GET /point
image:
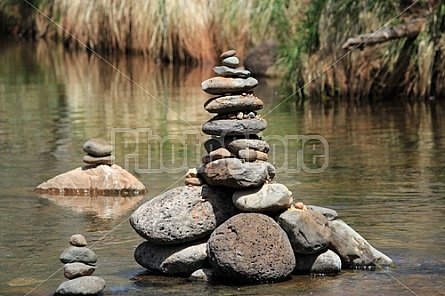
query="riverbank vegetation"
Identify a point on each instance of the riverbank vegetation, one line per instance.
(310, 34)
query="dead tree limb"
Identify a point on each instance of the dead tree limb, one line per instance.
(410, 30)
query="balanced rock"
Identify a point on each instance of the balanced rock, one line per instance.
(233, 103)
(183, 214)
(234, 127)
(225, 71)
(78, 240)
(172, 260)
(308, 231)
(86, 285)
(227, 54)
(97, 147)
(224, 85)
(330, 214)
(77, 269)
(255, 144)
(267, 198)
(78, 254)
(251, 247)
(91, 159)
(353, 249)
(325, 263)
(232, 172)
(231, 62)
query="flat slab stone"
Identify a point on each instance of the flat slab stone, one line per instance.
(267, 198)
(224, 85)
(251, 247)
(93, 180)
(173, 260)
(91, 159)
(86, 285)
(183, 214)
(232, 172)
(233, 127)
(308, 231)
(233, 103)
(97, 147)
(230, 72)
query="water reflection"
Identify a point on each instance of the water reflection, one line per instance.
(386, 173)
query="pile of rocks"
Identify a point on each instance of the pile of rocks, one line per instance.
(80, 263)
(99, 177)
(98, 152)
(238, 221)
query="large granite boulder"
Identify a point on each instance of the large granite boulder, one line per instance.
(251, 247)
(93, 180)
(173, 260)
(232, 172)
(308, 231)
(353, 249)
(183, 214)
(267, 198)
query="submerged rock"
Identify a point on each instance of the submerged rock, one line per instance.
(251, 247)
(324, 263)
(86, 285)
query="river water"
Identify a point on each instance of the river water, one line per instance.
(381, 167)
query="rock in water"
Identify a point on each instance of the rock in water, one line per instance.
(324, 263)
(268, 198)
(251, 247)
(224, 85)
(353, 249)
(183, 214)
(179, 260)
(231, 172)
(86, 285)
(97, 147)
(308, 231)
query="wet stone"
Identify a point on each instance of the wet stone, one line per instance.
(78, 240)
(97, 147)
(230, 72)
(232, 62)
(224, 85)
(91, 159)
(231, 127)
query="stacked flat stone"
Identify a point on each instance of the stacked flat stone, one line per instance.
(80, 263)
(98, 152)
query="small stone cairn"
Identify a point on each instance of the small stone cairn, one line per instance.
(80, 263)
(98, 152)
(231, 220)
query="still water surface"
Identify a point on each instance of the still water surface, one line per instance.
(386, 173)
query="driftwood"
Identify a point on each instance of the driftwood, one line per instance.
(410, 30)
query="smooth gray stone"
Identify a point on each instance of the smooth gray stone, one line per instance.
(353, 249)
(91, 159)
(233, 103)
(267, 198)
(97, 147)
(234, 127)
(234, 173)
(251, 247)
(77, 269)
(308, 231)
(231, 62)
(230, 72)
(174, 260)
(328, 213)
(78, 254)
(227, 54)
(325, 263)
(183, 214)
(225, 85)
(239, 144)
(78, 240)
(86, 285)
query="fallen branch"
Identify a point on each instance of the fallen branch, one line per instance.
(410, 30)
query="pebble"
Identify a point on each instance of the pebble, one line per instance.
(78, 240)
(78, 254)
(192, 173)
(77, 269)
(231, 62)
(228, 54)
(193, 182)
(247, 154)
(97, 147)
(261, 156)
(91, 159)
(230, 72)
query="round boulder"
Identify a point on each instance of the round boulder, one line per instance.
(251, 247)
(174, 260)
(308, 231)
(183, 214)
